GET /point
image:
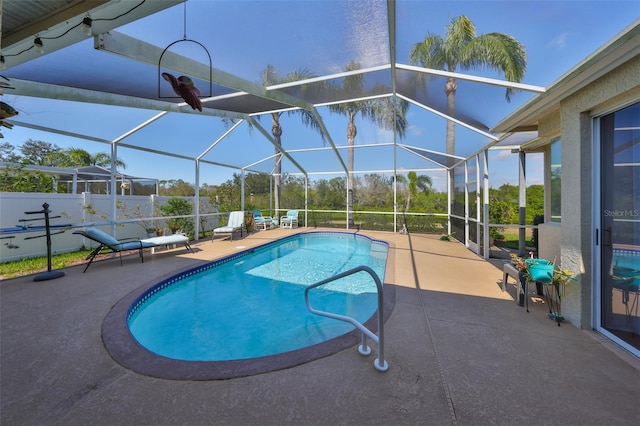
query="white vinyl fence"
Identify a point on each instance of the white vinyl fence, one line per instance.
(132, 215)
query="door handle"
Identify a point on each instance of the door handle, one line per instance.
(606, 237)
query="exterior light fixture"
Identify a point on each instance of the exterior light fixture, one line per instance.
(86, 25)
(38, 44)
(2, 64)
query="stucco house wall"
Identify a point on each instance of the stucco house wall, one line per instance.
(550, 234)
(618, 88)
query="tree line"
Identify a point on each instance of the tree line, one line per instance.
(371, 192)
(15, 177)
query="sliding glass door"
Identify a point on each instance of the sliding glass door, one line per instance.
(619, 243)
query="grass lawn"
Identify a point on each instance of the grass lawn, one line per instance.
(39, 264)
(511, 238)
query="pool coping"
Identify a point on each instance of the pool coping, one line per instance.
(126, 351)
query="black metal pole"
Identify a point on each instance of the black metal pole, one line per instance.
(45, 207)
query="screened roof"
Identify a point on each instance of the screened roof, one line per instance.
(115, 73)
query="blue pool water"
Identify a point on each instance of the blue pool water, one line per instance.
(626, 263)
(627, 259)
(252, 304)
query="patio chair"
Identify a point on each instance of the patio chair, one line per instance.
(235, 223)
(627, 281)
(108, 244)
(290, 220)
(261, 222)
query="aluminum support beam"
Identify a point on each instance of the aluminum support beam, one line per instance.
(51, 91)
(132, 48)
(269, 137)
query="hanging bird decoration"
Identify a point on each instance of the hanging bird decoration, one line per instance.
(184, 87)
(6, 111)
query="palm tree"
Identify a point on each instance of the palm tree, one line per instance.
(103, 159)
(388, 113)
(78, 157)
(414, 183)
(424, 183)
(461, 48)
(270, 77)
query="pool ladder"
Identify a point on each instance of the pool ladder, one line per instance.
(380, 364)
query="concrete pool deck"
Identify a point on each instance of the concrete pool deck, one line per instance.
(460, 352)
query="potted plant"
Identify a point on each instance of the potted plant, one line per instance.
(560, 278)
(541, 270)
(558, 281)
(523, 275)
(248, 221)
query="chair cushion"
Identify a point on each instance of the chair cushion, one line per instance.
(235, 222)
(226, 229)
(236, 219)
(102, 236)
(134, 245)
(167, 239)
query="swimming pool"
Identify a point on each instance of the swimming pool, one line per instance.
(245, 314)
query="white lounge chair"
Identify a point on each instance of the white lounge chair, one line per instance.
(235, 223)
(290, 220)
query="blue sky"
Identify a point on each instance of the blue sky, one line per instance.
(557, 35)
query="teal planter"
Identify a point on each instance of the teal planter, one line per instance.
(540, 270)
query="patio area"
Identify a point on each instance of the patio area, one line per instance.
(460, 352)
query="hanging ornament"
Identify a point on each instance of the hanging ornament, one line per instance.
(184, 86)
(6, 111)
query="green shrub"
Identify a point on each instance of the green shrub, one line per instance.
(178, 207)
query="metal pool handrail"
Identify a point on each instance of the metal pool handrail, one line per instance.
(380, 364)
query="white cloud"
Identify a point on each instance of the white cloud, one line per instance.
(384, 135)
(559, 42)
(503, 154)
(414, 130)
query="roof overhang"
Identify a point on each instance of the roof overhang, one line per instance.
(55, 22)
(622, 48)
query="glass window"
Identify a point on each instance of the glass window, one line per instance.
(556, 179)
